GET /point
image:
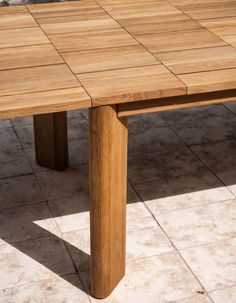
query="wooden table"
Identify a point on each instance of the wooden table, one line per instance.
(118, 58)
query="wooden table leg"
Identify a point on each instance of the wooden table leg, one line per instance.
(108, 187)
(51, 142)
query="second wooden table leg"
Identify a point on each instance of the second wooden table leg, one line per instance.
(108, 187)
(51, 142)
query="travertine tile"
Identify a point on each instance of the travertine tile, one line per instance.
(26, 222)
(201, 224)
(214, 264)
(72, 213)
(33, 261)
(196, 298)
(13, 163)
(78, 152)
(164, 277)
(5, 123)
(218, 156)
(16, 191)
(77, 128)
(22, 121)
(231, 106)
(57, 290)
(191, 190)
(157, 139)
(8, 139)
(25, 134)
(224, 295)
(144, 167)
(68, 183)
(229, 178)
(203, 124)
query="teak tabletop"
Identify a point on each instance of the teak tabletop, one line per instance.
(118, 58)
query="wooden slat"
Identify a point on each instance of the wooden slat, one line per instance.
(80, 23)
(33, 79)
(111, 2)
(210, 10)
(17, 20)
(160, 24)
(92, 40)
(231, 39)
(134, 10)
(109, 58)
(180, 3)
(43, 102)
(192, 39)
(222, 26)
(71, 8)
(12, 9)
(210, 81)
(28, 56)
(22, 37)
(131, 84)
(173, 103)
(197, 60)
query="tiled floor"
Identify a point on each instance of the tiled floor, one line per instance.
(181, 220)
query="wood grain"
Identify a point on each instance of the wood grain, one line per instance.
(109, 58)
(22, 37)
(210, 81)
(134, 10)
(108, 190)
(160, 24)
(222, 26)
(124, 85)
(79, 23)
(197, 60)
(210, 10)
(33, 79)
(92, 40)
(182, 40)
(71, 8)
(12, 9)
(51, 140)
(43, 102)
(19, 57)
(17, 20)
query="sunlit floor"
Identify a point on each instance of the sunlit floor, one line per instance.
(181, 219)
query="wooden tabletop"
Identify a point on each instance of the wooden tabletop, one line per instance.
(61, 56)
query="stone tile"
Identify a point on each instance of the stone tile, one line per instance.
(26, 222)
(203, 124)
(196, 298)
(57, 290)
(82, 113)
(164, 277)
(71, 213)
(13, 163)
(68, 183)
(30, 155)
(16, 191)
(20, 121)
(214, 264)
(78, 152)
(145, 167)
(77, 128)
(145, 239)
(159, 139)
(78, 243)
(231, 106)
(25, 134)
(228, 177)
(201, 224)
(218, 156)
(5, 123)
(224, 295)
(33, 261)
(164, 196)
(8, 139)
